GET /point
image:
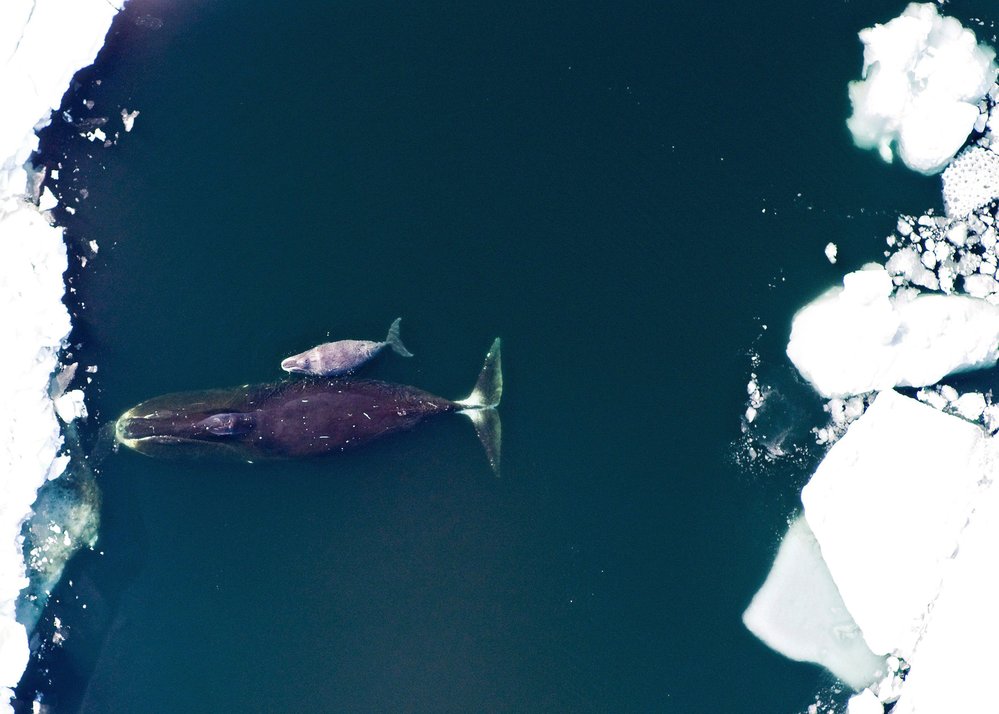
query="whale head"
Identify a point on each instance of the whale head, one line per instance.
(300, 364)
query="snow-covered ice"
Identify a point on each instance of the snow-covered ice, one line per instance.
(922, 80)
(887, 505)
(953, 664)
(44, 42)
(71, 406)
(860, 338)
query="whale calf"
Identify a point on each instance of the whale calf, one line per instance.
(333, 359)
(293, 418)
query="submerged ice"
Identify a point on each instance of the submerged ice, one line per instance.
(800, 613)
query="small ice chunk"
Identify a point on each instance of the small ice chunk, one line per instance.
(93, 246)
(831, 251)
(71, 406)
(971, 405)
(988, 238)
(853, 408)
(969, 264)
(128, 118)
(48, 200)
(906, 263)
(957, 234)
(981, 122)
(837, 410)
(942, 251)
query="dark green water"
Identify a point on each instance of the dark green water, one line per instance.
(624, 193)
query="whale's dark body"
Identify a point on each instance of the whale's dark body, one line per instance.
(300, 418)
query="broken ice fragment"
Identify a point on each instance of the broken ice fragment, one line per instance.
(128, 118)
(70, 406)
(48, 201)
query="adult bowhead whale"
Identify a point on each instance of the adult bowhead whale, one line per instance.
(302, 418)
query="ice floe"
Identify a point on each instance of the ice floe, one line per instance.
(922, 80)
(861, 338)
(860, 582)
(44, 42)
(903, 474)
(903, 508)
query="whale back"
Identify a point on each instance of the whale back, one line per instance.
(283, 420)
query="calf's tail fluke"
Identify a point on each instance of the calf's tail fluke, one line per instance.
(480, 406)
(394, 341)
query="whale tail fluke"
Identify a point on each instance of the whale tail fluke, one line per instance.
(394, 341)
(480, 406)
(490, 430)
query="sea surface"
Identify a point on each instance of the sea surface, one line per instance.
(635, 196)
